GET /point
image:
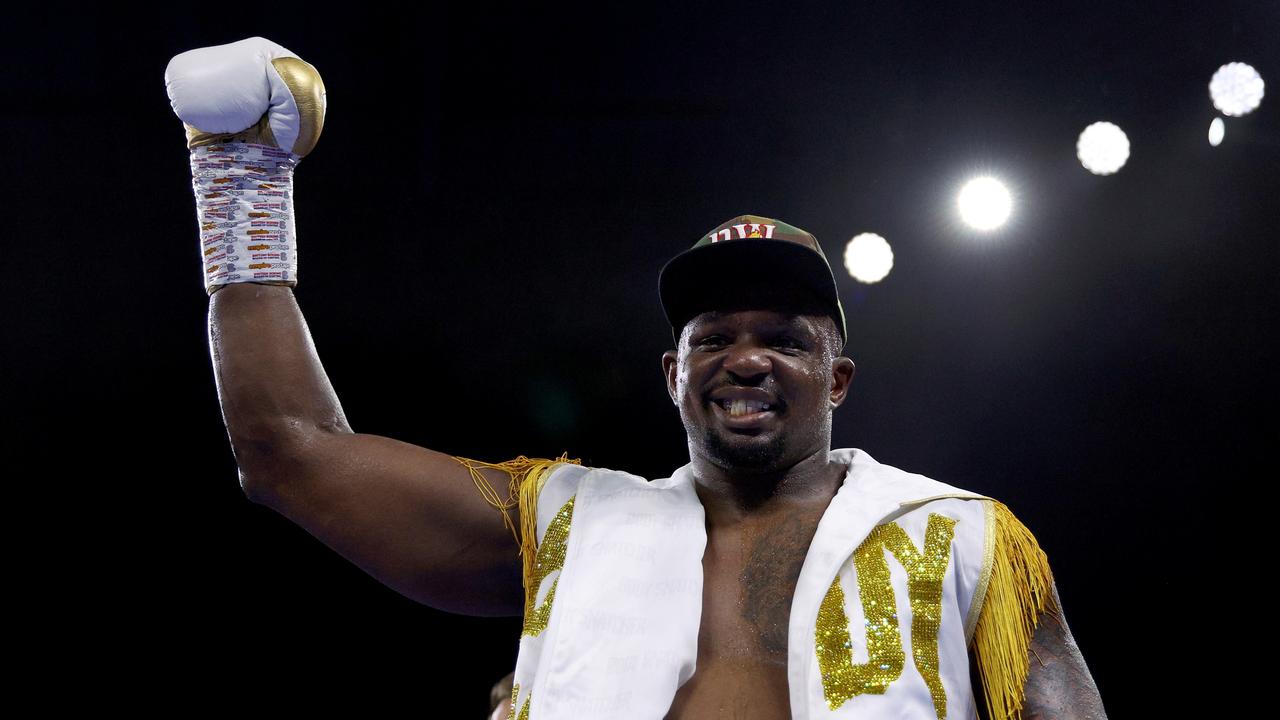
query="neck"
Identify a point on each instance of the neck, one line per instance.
(732, 494)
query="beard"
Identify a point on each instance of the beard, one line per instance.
(755, 457)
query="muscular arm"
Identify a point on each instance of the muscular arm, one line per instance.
(1059, 686)
(408, 516)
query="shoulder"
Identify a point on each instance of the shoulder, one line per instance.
(908, 489)
(1016, 592)
(570, 477)
(567, 481)
(1016, 573)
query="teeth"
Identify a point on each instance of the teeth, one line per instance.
(738, 408)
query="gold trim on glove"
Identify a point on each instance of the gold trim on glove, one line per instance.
(308, 92)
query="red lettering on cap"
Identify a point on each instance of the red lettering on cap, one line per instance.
(754, 230)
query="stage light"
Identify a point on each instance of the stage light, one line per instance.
(1102, 148)
(1236, 89)
(984, 203)
(868, 258)
(1216, 130)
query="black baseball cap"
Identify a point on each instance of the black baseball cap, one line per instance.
(745, 257)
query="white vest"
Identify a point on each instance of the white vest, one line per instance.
(613, 632)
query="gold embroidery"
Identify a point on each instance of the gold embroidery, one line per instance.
(924, 588)
(984, 576)
(841, 678)
(524, 709)
(527, 476)
(550, 558)
(1019, 591)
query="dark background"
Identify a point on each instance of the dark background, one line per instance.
(480, 232)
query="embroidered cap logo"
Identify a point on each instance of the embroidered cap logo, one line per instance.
(757, 230)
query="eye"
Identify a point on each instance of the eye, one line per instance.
(787, 342)
(710, 341)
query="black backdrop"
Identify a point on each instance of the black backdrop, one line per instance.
(481, 228)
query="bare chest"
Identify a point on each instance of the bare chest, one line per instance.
(749, 580)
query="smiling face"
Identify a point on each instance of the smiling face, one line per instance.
(756, 387)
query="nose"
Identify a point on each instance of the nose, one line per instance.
(748, 363)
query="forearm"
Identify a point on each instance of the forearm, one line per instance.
(272, 387)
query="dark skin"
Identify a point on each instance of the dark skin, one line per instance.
(412, 518)
(763, 485)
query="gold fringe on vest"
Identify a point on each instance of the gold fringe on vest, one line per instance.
(1018, 592)
(527, 476)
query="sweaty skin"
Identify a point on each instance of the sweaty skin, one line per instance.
(764, 486)
(408, 516)
(764, 483)
(412, 518)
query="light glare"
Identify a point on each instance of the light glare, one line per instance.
(984, 203)
(1103, 148)
(1236, 89)
(868, 258)
(1217, 129)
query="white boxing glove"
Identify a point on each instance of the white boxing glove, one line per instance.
(252, 110)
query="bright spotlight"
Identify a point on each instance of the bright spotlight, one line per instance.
(868, 258)
(1102, 148)
(1236, 89)
(984, 203)
(1216, 130)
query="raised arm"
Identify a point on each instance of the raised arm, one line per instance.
(411, 517)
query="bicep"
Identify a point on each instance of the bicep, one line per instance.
(1059, 684)
(412, 518)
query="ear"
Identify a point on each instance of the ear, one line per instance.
(842, 369)
(670, 360)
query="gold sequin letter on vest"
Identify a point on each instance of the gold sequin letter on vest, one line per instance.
(841, 678)
(549, 559)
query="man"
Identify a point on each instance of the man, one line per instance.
(770, 577)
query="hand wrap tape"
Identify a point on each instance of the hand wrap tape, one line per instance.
(244, 207)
